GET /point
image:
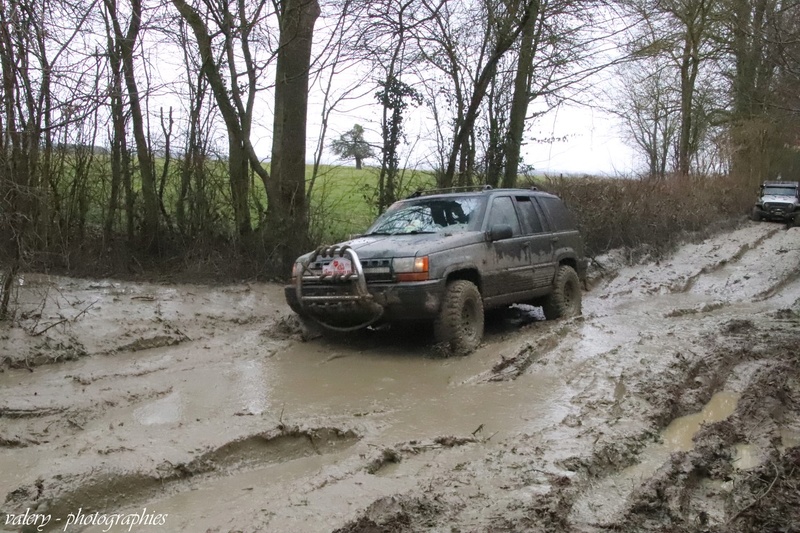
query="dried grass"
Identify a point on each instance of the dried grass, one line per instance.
(656, 214)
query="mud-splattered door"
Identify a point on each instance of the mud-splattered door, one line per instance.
(541, 244)
(509, 269)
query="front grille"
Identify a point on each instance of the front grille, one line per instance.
(374, 269)
(778, 206)
(377, 269)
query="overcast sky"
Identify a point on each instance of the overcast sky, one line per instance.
(592, 140)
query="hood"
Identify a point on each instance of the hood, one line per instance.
(388, 246)
(774, 198)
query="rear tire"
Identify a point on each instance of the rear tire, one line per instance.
(565, 300)
(459, 325)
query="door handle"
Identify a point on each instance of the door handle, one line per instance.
(554, 239)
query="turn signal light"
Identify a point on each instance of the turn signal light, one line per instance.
(413, 276)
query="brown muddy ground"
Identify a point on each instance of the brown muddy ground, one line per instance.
(673, 404)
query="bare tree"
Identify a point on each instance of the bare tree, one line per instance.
(386, 38)
(234, 25)
(507, 21)
(125, 44)
(338, 57)
(32, 46)
(685, 34)
(761, 35)
(647, 104)
(287, 216)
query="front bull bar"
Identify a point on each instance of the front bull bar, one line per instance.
(360, 299)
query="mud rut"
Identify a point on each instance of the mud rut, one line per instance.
(673, 404)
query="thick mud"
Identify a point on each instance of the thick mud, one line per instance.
(672, 404)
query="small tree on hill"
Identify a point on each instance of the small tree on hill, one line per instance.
(351, 145)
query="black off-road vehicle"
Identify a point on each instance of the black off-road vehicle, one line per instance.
(445, 258)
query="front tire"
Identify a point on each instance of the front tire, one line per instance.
(565, 300)
(459, 325)
(755, 215)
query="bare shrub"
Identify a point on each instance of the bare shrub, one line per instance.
(657, 214)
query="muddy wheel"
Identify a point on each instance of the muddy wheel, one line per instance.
(459, 325)
(755, 215)
(565, 300)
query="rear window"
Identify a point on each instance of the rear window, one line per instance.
(531, 223)
(557, 213)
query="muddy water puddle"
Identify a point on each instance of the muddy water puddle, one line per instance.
(389, 395)
(748, 456)
(235, 374)
(608, 498)
(679, 434)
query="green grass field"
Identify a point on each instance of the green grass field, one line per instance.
(344, 200)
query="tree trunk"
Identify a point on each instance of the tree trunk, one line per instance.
(488, 72)
(287, 214)
(127, 44)
(239, 168)
(237, 121)
(521, 98)
(118, 139)
(688, 76)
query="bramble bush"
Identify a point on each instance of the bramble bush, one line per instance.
(655, 214)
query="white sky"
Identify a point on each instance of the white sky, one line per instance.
(593, 142)
(593, 145)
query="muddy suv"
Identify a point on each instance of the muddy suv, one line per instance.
(445, 258)
(778, 200)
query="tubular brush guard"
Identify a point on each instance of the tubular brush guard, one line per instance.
(322, 308)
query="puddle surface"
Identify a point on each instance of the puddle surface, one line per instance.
(746, 456)
(175, 373)
(679, 434)
(608, 498)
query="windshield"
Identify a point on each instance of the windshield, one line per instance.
(780, 191)
(428, 215)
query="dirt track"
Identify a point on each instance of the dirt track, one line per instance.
(203, 404)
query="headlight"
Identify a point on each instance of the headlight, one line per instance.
(410, 268)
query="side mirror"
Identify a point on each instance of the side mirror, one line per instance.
(499, 232)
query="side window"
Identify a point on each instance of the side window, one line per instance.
(503, 212)
(557, 212)
(531, 223)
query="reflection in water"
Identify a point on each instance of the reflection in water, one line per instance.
(679, 434)
(609, 496)
(166, 410)
(747, 456)
(252, 390)
(789, 439)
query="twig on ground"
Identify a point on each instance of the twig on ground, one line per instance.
(54, 324)
(76, 317)
(758, 498)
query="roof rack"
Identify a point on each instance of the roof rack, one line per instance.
(466, 188)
